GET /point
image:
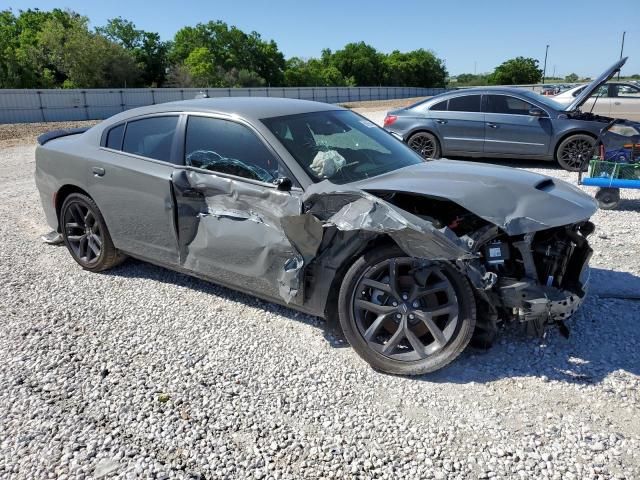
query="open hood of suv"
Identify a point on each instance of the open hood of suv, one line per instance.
(597, 83)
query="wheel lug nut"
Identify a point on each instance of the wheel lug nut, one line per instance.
(411, 316)
(415, 304)
(395, 304)
(398, 315)
(404, 296)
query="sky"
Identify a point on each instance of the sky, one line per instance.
(584, 37)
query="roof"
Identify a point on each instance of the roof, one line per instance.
(250, 108)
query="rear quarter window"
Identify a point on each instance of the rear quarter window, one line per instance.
(439, 107)
(114, 137)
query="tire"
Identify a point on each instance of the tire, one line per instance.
(575, 151)
(608, 198)
(425, 144)
(408, 338)
(85, 234)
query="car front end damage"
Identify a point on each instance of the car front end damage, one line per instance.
(521, 241)
(539, 278)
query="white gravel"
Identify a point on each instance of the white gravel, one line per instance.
(145, 373)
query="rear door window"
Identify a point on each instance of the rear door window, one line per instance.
(465, 103)
(507, 105)
(151, 137)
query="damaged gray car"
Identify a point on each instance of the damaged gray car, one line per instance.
(315, 207)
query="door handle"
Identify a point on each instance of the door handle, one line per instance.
(98, 171)
(492, 125)
(616, 103)
(441, 122)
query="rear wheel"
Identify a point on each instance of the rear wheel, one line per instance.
(404, 315)
(85, 234)
(425, 144)
(575, 151)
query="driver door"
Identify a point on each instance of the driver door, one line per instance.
(229, 209)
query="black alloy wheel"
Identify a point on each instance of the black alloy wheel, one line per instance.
(425, 144)
(405, 315)
(85, 234)
(575, 152)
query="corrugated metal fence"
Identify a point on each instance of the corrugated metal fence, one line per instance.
(26, 106)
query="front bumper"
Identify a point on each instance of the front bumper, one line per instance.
(531, 301)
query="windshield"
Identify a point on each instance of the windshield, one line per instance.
(543, 100)
(340, 146)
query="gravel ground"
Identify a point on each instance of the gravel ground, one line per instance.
(144, 373)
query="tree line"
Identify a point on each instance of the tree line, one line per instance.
(58, 49)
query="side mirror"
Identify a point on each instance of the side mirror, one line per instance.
(537, 112)
(283, 184)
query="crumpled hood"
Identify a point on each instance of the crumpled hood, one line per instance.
(516, 200)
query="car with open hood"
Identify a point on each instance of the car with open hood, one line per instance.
(502, 122)
(613, 99)
(315, 207)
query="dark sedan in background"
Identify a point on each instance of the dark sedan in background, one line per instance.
(500, 122)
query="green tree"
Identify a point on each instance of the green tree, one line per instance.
(571, 78)
(200, 67)
(361, 62)
(231, 48)
(516, 71)
(83, 58)
(314, 72)
(146, 47)
(419, 68)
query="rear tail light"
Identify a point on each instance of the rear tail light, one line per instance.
(389, 119)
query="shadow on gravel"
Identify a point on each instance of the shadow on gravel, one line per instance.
(133, 268)
(605, 333)
(604, 339)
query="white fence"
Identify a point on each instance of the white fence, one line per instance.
(26, 106)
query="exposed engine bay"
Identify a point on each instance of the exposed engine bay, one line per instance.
(539, 277)
(588, 116)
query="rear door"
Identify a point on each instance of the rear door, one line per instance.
(510, 130)
(460, 123)
(130, 180)
(625, 101)
(230, 210)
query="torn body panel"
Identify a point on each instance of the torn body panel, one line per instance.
(293, 246)
(231, 230)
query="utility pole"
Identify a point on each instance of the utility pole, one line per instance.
(554, 72)
(475, 66)
(621, 50)
(544, 70)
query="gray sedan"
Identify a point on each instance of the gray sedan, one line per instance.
(502, 123)
(315, 207)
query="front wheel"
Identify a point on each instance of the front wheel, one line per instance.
(575, 151)
(405, 315)
(425, 144)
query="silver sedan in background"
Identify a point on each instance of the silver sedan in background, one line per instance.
(614, 99)
(501, 122)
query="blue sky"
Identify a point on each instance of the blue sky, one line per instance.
(584, 36)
